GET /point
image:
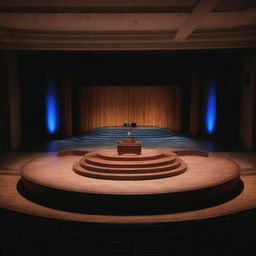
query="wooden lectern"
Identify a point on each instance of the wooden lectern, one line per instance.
(129, 146)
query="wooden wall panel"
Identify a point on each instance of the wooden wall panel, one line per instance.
(100, 106)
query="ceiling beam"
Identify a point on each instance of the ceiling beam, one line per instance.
(96, 6)
(203, 8)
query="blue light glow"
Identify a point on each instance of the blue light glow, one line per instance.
(210, 113)
(51, 109)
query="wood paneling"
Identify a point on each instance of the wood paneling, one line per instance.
(14, 100)
(10, 125)
(100, 106)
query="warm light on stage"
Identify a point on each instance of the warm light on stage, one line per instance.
(154, 182)
(122, 184)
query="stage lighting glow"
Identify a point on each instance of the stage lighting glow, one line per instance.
(210, 113)
(51, 109)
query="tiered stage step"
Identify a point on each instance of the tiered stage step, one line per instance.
(149, 165)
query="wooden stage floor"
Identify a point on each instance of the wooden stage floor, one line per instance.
(10, 199)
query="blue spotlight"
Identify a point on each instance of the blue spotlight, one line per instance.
(51, 108)
(210, 113)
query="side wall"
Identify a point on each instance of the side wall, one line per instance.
(248, 101)
(10, 128)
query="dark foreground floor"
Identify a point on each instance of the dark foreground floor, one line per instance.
(26, 235)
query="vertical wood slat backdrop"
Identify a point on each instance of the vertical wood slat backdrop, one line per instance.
(101, 106)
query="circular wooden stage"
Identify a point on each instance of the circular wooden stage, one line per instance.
(240, 200)
(214, 210)
(64, 183)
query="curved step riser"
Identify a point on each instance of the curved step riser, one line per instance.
(78, 169)
(173, 166)
(131, 165)
(120, 158)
